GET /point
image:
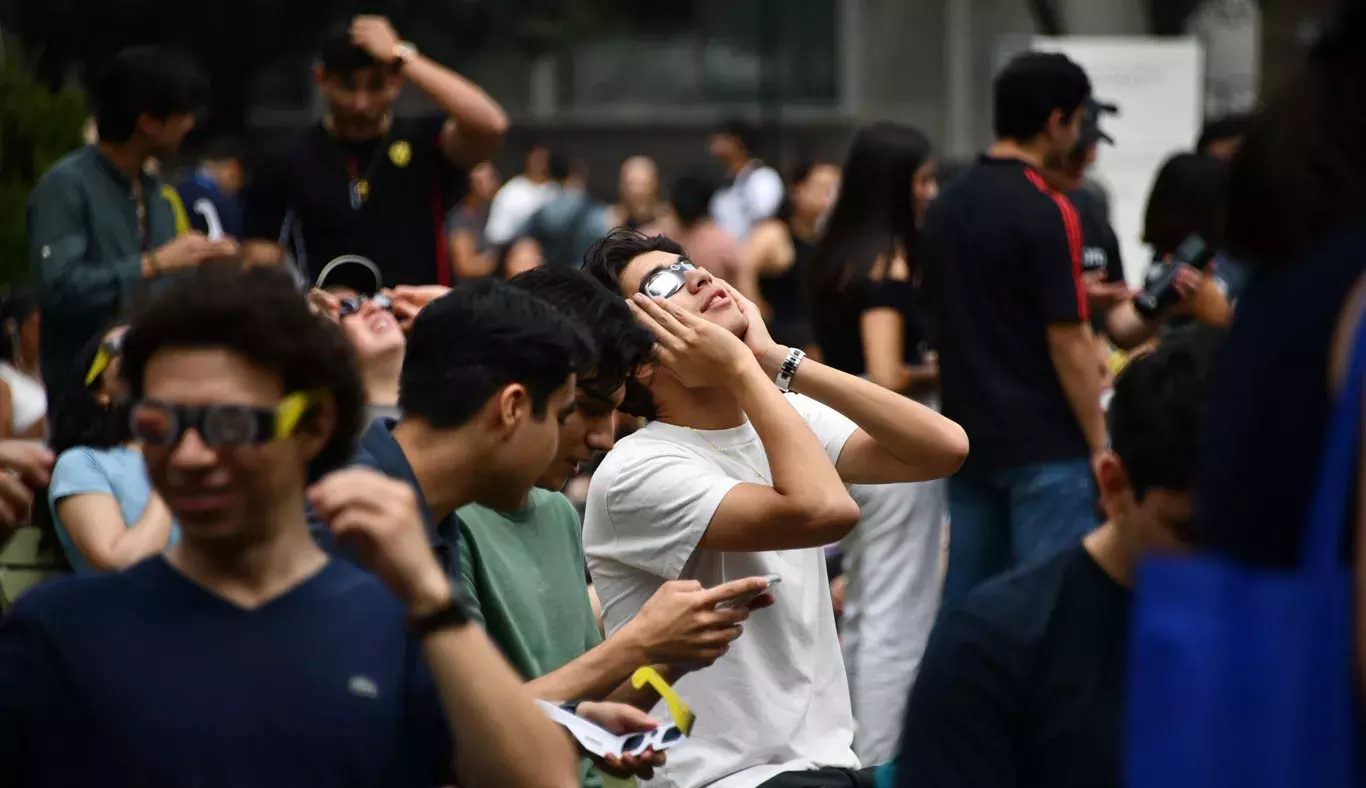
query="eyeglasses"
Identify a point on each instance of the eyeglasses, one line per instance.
(163, 424)
(350, 306)
(659, 740)
(110, 349)
(664, 282)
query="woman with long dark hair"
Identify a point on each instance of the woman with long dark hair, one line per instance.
(103, 509)
(861, 292)
(779, 250)
(859, 281)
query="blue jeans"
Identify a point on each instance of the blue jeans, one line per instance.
(1003, 519)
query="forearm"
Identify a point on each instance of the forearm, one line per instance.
(1074, 359)
(493, 722)
(647, 697)
(797, 462)
(261, 253)
(1127, 328)
(475, 112)
(910, 432)
(129, 545)
(593, 675)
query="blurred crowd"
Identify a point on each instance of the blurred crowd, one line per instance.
(405, 469)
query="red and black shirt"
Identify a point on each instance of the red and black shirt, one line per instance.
(304, 195)
(1002, 259)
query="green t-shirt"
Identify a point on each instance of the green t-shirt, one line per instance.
(523, 573)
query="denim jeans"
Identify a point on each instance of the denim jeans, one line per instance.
(1002, 519)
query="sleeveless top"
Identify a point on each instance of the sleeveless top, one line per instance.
(28, 398)
(790, 323)
(1270, 404)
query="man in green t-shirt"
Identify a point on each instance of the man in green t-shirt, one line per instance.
(524, 571)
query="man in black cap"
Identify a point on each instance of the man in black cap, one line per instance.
(1111, 299)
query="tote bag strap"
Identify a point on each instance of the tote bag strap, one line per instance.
(1321, 550)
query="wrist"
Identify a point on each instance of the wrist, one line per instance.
(630, 644)
(771, 359)
(431, 595)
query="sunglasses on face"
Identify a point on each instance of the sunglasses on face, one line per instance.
(110, 349)
(664, 282)
(162, 424)
(350, 306)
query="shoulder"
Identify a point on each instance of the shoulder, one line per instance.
(1014, 609)
(62, 176)
(70, 600)
(553, 504)
(80, 459)
(423, 128)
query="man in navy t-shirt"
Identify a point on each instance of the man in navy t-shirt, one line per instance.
(1023, 682)
(244, 656)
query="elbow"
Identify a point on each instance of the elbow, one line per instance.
(955, 449)
(832, 520)
(498, 124)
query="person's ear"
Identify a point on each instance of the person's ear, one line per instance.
(513, 407)
(315, 429)
(1112, 480)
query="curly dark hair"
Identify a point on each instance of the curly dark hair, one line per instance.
(259, 315)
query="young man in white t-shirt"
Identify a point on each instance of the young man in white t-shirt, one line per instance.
(736, 476)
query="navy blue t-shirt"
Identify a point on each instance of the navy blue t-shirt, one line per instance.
(379, 451)
(144, 678)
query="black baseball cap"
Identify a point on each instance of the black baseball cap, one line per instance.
(1091, 132)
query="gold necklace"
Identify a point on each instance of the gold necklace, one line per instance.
(763, 478)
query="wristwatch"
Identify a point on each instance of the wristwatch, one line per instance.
(452, 615)
(404, 51)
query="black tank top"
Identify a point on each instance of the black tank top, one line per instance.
(786, 294)
(1270, 404)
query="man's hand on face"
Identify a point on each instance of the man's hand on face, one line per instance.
(380, 517)
(621, 719)
(324, 303)
(410, 299)
(698, 352)
(25, 467)
(756, 336)
(682, 625)
(375, 36)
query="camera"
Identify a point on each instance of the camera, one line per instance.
(1160, 295)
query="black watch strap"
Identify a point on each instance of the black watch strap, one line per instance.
(572, 707)
(452, 616)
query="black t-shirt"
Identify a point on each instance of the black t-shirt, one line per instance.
(1099, 244)
(1023, 683)
(399, 225)
(1003, 261)
(785, 294)
(841, 341)
(144, 678)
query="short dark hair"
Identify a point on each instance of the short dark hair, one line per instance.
(224, 147)
(151, 81)
(691, 197)
(1157, 412)
(259, 315)
(1223, 128)
(610, 254)
(340, 56)
(1189, 195)
(604, 261)
(622, 344)
(1030, 88)
(745, 132)
(478, 338)
(559, 167)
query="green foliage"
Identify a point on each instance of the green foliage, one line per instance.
(37, 127)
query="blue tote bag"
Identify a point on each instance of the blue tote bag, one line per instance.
(1243, 676)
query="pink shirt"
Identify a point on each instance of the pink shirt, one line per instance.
(712, 248)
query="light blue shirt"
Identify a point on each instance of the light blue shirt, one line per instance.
(118, 472)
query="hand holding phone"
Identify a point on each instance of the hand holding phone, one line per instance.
(749, 596)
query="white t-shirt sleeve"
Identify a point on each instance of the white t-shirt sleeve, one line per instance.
(657, 507)
(764, 193)
(831, 427)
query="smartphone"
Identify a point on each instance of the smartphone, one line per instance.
(745, 599)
